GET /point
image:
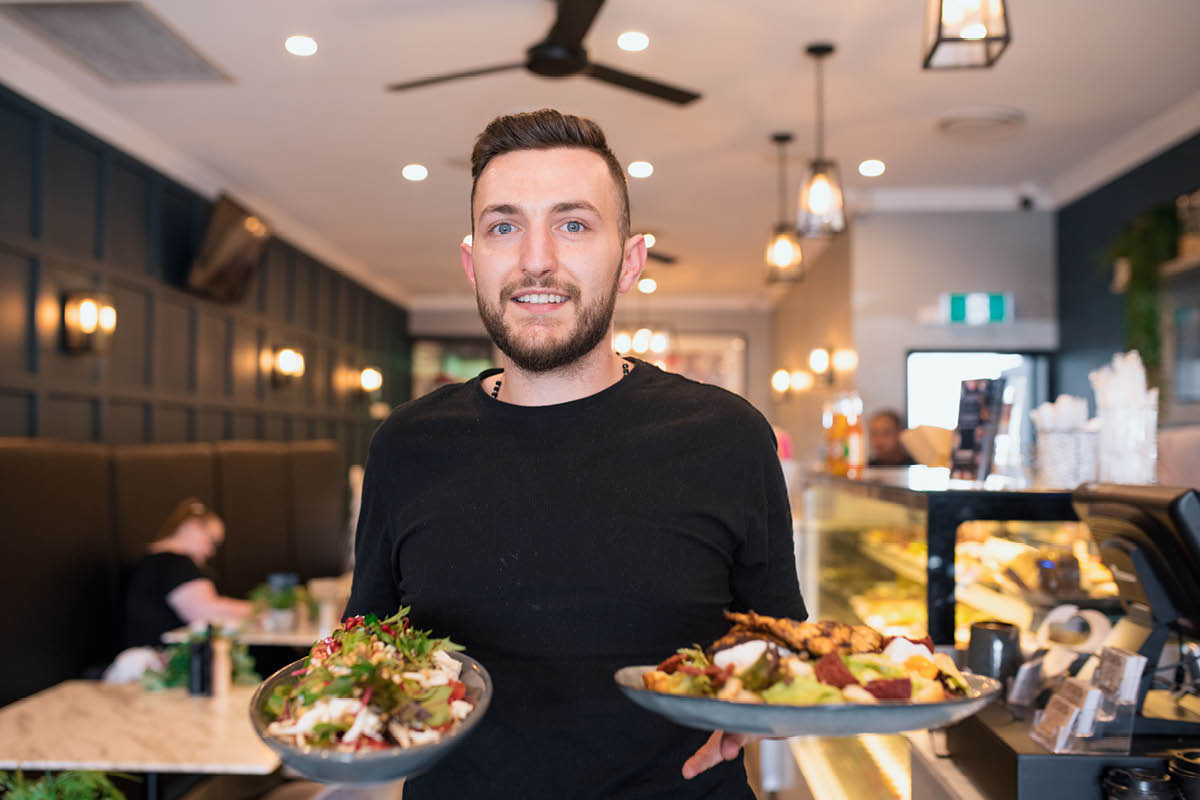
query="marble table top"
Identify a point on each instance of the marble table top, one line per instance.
(123, 727)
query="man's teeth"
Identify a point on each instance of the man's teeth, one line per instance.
(541, 298)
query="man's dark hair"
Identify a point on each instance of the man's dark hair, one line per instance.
(545, 129)
(891, 414)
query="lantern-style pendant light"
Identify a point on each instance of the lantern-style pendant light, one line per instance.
(821, 209)
(965, 33)
(783, 255)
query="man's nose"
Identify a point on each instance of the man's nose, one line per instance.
(538, 256)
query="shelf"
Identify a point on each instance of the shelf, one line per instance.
(989, 601)
(898, 563)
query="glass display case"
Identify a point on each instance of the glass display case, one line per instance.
(909, 551)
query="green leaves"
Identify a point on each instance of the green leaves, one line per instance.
(62, 786)
(1149, 240)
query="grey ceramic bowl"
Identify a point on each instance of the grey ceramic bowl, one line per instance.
(844, 719)
(375, 766)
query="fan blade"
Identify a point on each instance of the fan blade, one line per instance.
(637, 83)
(661, 257)
(574, 19)
(453, 76)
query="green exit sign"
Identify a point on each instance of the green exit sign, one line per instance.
(976, 308)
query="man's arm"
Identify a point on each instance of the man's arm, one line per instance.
(764, 572)
(763, 577)
(374, 590)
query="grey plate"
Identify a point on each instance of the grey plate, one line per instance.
(844, 719)
(375, 766)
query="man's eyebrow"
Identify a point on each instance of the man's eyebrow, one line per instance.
(575, 205)
(499, 208)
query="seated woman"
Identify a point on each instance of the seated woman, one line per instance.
(167, 587)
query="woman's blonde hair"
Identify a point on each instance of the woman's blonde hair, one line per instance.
(190, 508)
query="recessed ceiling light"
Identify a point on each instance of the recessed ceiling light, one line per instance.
(633, 41)
(300, 45)
(871, 168)
(641, 169)
(647, 285)
(415, 172)
(649, 239)
(468, 240)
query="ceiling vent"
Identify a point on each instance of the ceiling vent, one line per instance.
(123, 43)
(981, 124)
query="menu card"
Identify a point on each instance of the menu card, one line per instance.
(1096, 716)
(979, 407)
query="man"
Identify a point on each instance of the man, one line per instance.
(884, 430)
(573, 512)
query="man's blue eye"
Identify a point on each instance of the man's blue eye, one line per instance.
(503, 227)
(574, 227)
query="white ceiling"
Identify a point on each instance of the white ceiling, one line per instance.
(319, 144)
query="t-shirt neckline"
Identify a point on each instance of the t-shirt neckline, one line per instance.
(637, 371)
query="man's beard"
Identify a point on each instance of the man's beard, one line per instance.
(591, 326)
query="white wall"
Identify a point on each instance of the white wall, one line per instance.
(901, 262)
(752, 324)
(814, 313)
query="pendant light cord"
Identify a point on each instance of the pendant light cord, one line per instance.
(782, 184)
(820, 111)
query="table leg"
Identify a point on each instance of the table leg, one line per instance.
(151, 786)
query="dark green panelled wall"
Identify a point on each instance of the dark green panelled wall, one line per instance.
(77, 213)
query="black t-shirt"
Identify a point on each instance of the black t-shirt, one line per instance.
(559, 543)
(148, 615)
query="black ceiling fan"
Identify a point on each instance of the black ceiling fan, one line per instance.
(561, 54)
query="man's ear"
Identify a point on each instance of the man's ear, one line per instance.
(468, 262)
(633, 262)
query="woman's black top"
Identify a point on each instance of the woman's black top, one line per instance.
(148, 615)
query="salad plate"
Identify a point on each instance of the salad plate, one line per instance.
(841, 719)
(376, 701)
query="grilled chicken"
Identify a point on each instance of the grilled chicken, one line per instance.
(814, 638)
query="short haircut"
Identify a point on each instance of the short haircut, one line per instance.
(892, 414)
(546, 129)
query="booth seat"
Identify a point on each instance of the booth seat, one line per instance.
(74, 516)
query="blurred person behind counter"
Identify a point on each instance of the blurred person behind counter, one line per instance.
(884, 429)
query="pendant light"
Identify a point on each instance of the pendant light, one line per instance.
(965, 33)
(821, 209)
(783, 253)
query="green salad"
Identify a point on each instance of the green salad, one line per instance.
(374, 683)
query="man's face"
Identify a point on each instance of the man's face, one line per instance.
(547, 259)
(885, 438)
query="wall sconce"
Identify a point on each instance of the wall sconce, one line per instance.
(786, 383)
(845, 360)
(287, 365)
(656, 341)
(818, 361)
(825, 364)
(370, 379)
(89, 319)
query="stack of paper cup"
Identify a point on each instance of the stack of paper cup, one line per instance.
(1066, 443)
(1128, 414)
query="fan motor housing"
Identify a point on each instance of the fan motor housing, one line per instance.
(555, 60)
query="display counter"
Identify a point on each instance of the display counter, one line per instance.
(908, 550)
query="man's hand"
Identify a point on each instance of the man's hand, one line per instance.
(720, 747)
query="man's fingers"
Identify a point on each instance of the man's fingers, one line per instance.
(731, 745)
(719, 747)
(708, 756)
